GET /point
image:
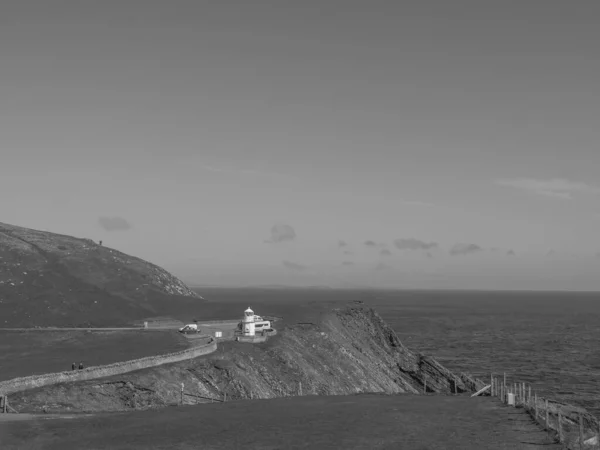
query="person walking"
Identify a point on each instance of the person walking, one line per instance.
(80, 366)
(73, 366)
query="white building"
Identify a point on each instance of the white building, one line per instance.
(248, 323)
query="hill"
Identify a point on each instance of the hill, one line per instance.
(49, 279)
(319, 350)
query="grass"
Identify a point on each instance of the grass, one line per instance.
(36, 352)
(350, 422)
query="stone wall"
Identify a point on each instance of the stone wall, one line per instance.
(35, 381)
(217, 322)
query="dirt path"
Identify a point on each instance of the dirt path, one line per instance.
(399, 422)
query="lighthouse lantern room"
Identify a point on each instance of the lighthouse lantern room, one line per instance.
(248, 323)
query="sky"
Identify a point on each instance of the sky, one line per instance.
(446, 144)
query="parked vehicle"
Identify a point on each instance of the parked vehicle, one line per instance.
(189, 328)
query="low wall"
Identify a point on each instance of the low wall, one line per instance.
(35, 381)
(216, 322)
(252, 339)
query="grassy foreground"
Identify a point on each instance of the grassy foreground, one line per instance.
(37, 352)
(370, 421)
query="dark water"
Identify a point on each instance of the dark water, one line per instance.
(548, 339)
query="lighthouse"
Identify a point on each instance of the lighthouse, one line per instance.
(248, 323)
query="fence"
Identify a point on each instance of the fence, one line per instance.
(35, 381)
(572, 426)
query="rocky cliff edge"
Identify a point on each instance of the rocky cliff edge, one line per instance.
(347, 350)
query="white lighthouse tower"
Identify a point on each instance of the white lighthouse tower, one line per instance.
(248, 323)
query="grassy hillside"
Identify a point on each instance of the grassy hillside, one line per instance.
(398, 422)
(48, 279)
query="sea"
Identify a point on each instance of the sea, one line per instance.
(548, 339)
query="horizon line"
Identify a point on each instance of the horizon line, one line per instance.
(316, 287)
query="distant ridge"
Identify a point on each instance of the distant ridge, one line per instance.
(50, 279)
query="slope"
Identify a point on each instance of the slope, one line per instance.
(49, 279)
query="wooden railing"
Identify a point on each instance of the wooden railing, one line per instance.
(572, 426)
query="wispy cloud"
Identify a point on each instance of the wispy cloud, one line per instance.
(414, 244)
(293, 266)
(342, 243)
(347, 263)
(464, 249)
(556, 187)
(281, 233)
(385, 252)
(510, 253)
(114, 223)
(382, 266)
(348, 252)
(370, 243)
(249, 172)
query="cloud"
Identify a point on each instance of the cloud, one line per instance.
(348, 252)
(293, 266)
(347, 263)
(429, 255)
(114, 223)
(556, 187)
(414, 244)
(510, 253)
(385, 252)
(281, 233)
(370, 244)
(382, 266)
(464, 249)
(342, 243)
(550, 253)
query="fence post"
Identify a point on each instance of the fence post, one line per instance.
(529, 395)
(535, 406)
(2, 404)
(504, 382)
(425, 386)
(522, 392)
(547, 416)
(581, 444)
(181, 393)
(299, 387)
(491, 384)
(560, 435)
(515, 393)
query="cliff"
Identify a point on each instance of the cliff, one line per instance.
(342, 350)
(49, 279)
